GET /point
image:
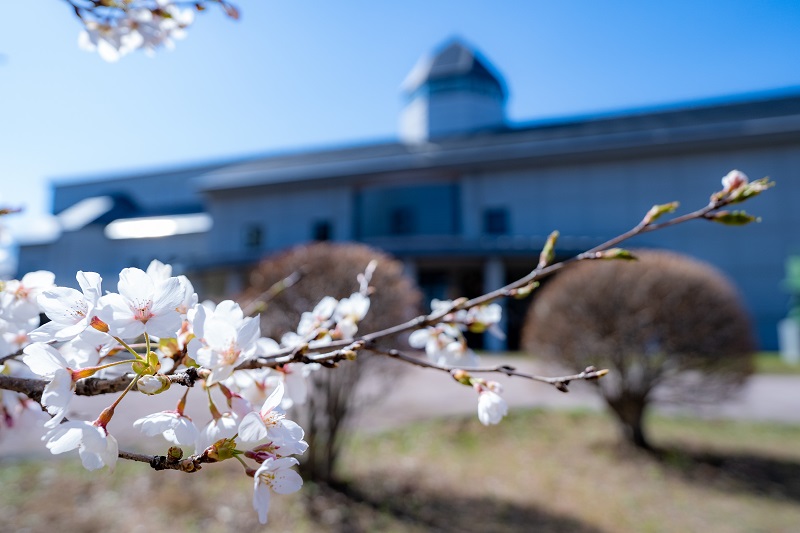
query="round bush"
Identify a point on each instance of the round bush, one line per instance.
(666, 326)
(331, 269)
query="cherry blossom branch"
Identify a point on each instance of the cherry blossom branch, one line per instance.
(260, 302)
(171, 461)
(733, 192)
(33, 388)
(10, 356)
(543, 270)
(560, 382)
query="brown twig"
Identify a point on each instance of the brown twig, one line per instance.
(169, 462)
(33, 388)
(260, 301)
(559, 382)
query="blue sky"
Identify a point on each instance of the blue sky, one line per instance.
(303, 74)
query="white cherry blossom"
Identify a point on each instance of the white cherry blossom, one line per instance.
(45, 361)
(274, 475)
(223, 345)
(159, 271)
(70, 311)
(349, 312)
(18, 297)
(491, 407)
(111, 41)
(173, 425)
(95, 446)
(143, 306)
(222, 427)
(270, 422)
(318, 318)
(444, 345)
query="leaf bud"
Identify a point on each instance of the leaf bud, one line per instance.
(749, 190)
(616, 253)
(175, 453)
(524, 291)
(549, 250)
(733, 218)
(657, 210)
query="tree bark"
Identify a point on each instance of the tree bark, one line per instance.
(629, 411)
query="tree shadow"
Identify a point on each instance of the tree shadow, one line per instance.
(734, 472)
(421, 509)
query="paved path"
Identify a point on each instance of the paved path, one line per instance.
(423, 393)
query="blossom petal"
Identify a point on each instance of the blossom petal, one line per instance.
(252, 428)
(273, 400)
(43, 359)
(261, 497)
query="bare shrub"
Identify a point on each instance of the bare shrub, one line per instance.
(331, 269)
(665, 321)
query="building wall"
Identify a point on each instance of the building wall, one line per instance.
(89, 250)
(598, 200)
(287, 217)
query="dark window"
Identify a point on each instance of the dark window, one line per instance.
(253, 237)
(495, 221)
(401, 221)
(323, 230)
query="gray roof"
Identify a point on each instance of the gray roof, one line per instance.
(767, 119)
(454, 59)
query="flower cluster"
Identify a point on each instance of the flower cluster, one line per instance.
(151, 328)
(94, 334)
(113, 30)
(444, 343)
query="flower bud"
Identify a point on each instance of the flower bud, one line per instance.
(462, 376)
(153, 384)
(153, 361)
(222, 449)
(98, 324)
(733, 180)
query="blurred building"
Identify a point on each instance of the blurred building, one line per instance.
(464, 197)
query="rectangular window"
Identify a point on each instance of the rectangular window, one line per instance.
(254, 237)
(322, 231)
(401, 221)
(495, 221)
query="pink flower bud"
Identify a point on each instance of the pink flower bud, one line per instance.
(733, 180)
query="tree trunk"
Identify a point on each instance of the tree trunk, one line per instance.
(629, 411)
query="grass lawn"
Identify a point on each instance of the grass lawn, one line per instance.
(537, 471)
(771, 363)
